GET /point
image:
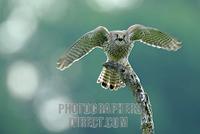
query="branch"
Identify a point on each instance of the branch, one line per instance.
(132, 81)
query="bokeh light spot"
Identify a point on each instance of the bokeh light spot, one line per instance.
(16, 30)
(111, 5)
(22, 80)
(51, 119)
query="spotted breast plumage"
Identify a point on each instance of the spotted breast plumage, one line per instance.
(117, 45)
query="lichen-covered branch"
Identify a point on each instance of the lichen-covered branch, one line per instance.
(132, 81)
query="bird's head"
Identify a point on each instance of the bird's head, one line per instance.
(119, 37)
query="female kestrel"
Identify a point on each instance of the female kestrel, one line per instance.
(117, 45)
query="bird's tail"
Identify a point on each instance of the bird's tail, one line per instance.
(109, 79)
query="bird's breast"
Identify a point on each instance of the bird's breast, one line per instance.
(117, 52)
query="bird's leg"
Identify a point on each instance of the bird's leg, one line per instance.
(130, 78)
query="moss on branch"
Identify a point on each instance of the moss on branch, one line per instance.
(131, 79)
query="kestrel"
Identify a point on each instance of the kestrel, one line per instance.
(117, 46)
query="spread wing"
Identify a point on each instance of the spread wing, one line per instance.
(153, 37)
(82, 47)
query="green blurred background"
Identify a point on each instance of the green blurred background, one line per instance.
(34, 33)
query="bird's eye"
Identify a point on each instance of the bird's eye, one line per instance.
(124, 36)
(117, 35)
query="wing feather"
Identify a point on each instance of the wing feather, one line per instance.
(82, 47)
(153, 37)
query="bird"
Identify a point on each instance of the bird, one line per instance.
(117, 46)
